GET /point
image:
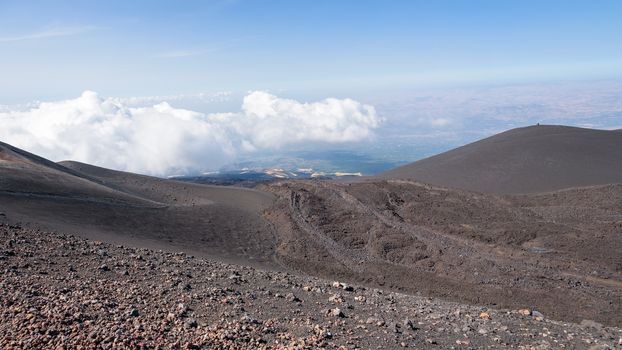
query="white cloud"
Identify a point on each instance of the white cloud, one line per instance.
(270, 121)
(140, 101)
(47, 33)
(439, 122)
(163, 140)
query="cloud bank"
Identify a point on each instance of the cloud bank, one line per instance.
(163, 140)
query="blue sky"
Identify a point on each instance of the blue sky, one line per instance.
(168, 87)
(57, 49)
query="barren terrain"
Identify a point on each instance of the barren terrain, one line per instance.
(558, 251)
(60, 291)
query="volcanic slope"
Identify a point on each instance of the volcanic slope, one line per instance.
(524, 160)
(557, 252)
(125, 208)
(30, 176)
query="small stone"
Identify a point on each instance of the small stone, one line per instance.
(484, 316)
(336, 312)
(291, 297)
(396, 328)
(408, 324)
(525, 312)
(133, 313)
(336, 298)
(464, 342)
(537, 315)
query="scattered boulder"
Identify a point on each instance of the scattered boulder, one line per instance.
(293, 298)
(464, 342)
(537, 315)
(336, 312)
(343, 286)
(409, 324)
(133, 313)
(524, 312)
(336, 298)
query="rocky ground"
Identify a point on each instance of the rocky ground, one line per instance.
(60, 291)
(558, 252)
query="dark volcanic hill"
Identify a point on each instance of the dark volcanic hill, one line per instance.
(524, 160)
(27, 175)
(122, 207)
